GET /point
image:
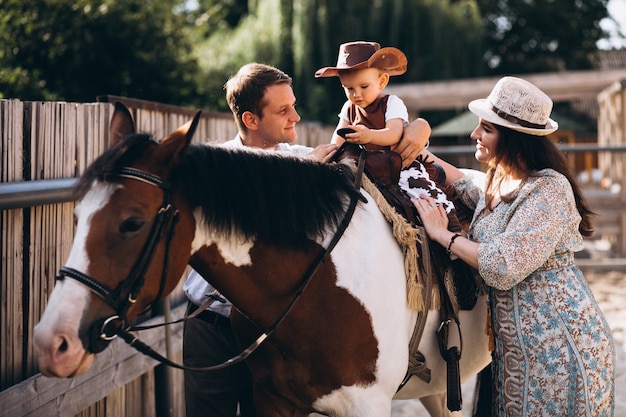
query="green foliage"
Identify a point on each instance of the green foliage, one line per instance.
(76, 50)
(221, 54)
(208, 16)
(182, 52)
(441, 39)
(524, 36)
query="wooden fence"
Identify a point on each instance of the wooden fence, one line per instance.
(54, 140)
(612, 131)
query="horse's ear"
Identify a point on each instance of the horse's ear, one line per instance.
(190, 127)
(121, 125)
(177, 141)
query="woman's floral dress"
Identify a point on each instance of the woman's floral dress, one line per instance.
(554, 353)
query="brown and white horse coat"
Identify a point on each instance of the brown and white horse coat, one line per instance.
(252, 224)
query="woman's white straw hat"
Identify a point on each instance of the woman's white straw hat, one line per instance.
(517, 104)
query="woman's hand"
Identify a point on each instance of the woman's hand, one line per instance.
(435, 222)
(434, 218)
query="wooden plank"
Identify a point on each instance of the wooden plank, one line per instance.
(456, 94)
(113, 368)
(612, 130)
(605, 264)
(11, 295)
(11, 221)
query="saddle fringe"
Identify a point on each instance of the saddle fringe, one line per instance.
(408, 237)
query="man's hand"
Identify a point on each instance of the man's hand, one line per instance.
(414, 139)
(323, 153)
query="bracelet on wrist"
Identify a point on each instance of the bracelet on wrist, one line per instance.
(449, 247)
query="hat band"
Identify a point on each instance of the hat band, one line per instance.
(515, 120)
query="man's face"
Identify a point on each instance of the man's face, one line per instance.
(278, 123)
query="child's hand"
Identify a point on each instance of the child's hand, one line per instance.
(360, 135)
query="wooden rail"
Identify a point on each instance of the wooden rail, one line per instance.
(456, 94)
(45, 146)
(610, 219)
(113, 368)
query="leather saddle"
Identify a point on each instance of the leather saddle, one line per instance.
(383, 169)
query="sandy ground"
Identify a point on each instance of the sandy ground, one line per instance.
(609, 288)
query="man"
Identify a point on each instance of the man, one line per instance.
(264, 106)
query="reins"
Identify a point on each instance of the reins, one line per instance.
(148, 351)
(116, 325)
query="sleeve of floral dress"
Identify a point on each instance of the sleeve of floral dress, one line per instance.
(542, 220)
(468, 191)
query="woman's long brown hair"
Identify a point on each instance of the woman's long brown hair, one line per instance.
(526, 154)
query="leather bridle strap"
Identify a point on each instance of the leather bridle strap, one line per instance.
(125, 294)
(451, 355)
(133, 341)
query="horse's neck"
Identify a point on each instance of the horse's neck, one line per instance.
(259, 280)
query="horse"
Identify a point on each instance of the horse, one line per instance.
(255, 225)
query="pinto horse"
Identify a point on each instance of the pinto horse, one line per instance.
(253, 224)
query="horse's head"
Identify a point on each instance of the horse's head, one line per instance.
(125, 254)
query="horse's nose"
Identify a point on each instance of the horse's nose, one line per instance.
(58, 354)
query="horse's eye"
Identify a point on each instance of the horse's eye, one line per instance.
(131, 225)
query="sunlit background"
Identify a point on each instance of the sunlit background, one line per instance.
(617, 9)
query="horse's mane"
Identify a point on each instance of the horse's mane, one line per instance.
(108, 165)
(276, 198)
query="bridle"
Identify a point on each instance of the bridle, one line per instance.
(125, 294)
(103, 331)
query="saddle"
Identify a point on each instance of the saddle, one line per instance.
(457, 288)
(383, 169)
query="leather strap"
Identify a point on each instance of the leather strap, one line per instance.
(133, 341)
(517, 120)
(451, 355)
(454, 398)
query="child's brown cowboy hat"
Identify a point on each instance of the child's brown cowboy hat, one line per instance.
(361, 54)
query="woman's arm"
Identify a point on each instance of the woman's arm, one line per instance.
(435, 222)
(452, 172)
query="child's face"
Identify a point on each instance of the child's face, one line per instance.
(363, 86)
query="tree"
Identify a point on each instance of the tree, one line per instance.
(76, 50)
(182, 52)
(524, 36)
(441, 39)
(207, 16)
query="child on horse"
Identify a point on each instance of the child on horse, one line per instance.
(375, 119)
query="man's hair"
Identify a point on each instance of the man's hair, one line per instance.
(245, 90)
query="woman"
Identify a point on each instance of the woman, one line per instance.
(553, 352)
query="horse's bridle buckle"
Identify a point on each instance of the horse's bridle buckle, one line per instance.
(104, 335)
(443, 324)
